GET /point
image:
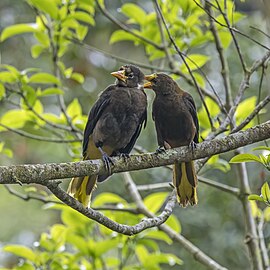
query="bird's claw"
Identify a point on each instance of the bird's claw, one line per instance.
(107, 162)
(125, 156)
(160, 150)
(192, 145)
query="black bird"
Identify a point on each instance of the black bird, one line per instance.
(114, 124)
(174, 113)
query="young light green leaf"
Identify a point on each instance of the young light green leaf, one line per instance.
(174, 223)
(194, 61)
(74, 109)
(21, 251)
(51, 91)
(106, 197)
(14, 118)
(36, 50)
(245, 158)
(77, 77)
(44, 78)
(81, 31)
(154, 201)
(135, 12)
(104, 246)
(255, 197)
(158, 235)
(265, 191)
(7, 77)
(121, 35)
(84, 17)
(17, 29)
(46, 6)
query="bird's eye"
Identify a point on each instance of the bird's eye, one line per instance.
(130, 75)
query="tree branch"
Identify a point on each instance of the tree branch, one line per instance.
(41, 173)
(198, 254)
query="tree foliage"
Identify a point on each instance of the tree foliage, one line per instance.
(201, 44)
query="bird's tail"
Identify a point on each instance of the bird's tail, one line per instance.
(185, 182)
(81, 188)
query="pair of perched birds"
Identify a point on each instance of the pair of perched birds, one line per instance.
(116, 119)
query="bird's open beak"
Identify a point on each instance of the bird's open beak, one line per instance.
(120, 74)
(147, 85)
(149, 78)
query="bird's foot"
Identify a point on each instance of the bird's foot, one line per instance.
(124, 156)
(107, 160)
(192, 145)
(160, 150)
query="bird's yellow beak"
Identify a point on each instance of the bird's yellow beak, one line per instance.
(149, 78)
(120, 74)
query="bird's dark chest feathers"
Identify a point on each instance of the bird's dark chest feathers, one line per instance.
(173, 120)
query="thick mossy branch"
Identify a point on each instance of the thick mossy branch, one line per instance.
(42, 173)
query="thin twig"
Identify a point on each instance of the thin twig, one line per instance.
(185, 62)
(125, 28)
(37, 137)
(198, 254)
(224, 64)
(255, 112)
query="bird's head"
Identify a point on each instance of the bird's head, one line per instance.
(161, 83)
(129, 76)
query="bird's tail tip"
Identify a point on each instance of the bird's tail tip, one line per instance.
(81, 189)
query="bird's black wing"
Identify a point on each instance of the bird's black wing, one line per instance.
(192, 109)
(95, 114)
(143, 121)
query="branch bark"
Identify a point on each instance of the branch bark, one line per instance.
(41, 173)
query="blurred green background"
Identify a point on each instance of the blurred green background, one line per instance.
(216, 225)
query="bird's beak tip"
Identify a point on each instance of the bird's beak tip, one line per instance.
(150, 77)
(120, 74)
(147, 85)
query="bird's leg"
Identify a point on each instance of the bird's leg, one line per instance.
(160, 150)
(107, 160)
(192, 145)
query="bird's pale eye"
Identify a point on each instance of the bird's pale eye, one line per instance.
(130, 75)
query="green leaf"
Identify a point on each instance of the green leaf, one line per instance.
(154, 201)
(7, 77)
(84, 17)
(194, 61)
(255, 197)
(74, 109)
(158, 235)
(46, 6)
(14, 119)
(141, 253)
(174, 223)
(21, 251)
(77, 77)
(135, 12)
(51, 91)
(121, 35)
(17, 29)
(2, 91)
(225, 38)
(245, 158)
(108, 198)
(44, 78)
(36, 50)
(81, 31)
(265, 191)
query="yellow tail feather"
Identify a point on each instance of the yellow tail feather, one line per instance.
(81, 188)
(185, 182)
